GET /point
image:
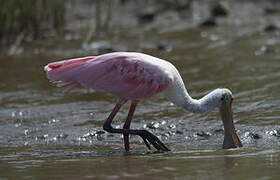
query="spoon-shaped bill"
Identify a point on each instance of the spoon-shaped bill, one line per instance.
(231, 139)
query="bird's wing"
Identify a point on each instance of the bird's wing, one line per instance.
(120, 75)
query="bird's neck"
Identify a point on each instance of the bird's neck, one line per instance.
(182, 98)
(198, 105)
(178, 94)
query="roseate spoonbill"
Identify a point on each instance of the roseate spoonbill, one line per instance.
(135, 77)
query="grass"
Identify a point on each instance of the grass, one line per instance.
(30, 18)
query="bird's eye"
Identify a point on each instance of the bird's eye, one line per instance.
(222, 98)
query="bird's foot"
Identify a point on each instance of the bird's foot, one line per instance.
(149, 138)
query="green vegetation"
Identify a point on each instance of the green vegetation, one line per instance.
(30, 17)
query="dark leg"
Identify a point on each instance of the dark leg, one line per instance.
(144, 134)
(107, 125)
(127, 124)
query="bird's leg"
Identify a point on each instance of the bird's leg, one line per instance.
(144, 134)
(127, 124)
(107, 124)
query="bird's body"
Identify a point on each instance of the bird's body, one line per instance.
(132, 76)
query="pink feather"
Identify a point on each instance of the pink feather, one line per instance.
(127, 75)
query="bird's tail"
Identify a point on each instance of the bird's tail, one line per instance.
(63, 72)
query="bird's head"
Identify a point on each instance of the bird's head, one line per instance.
(219, 98)
(223, 99)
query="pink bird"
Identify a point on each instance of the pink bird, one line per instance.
(135, 77)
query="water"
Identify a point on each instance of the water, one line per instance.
(45, 133)
(63, 162)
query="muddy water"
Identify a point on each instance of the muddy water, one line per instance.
(45, 133)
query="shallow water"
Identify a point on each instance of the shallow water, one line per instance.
(45, 133)
(94, 163)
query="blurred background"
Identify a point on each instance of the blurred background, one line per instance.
(97, 26)
(45, 133)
